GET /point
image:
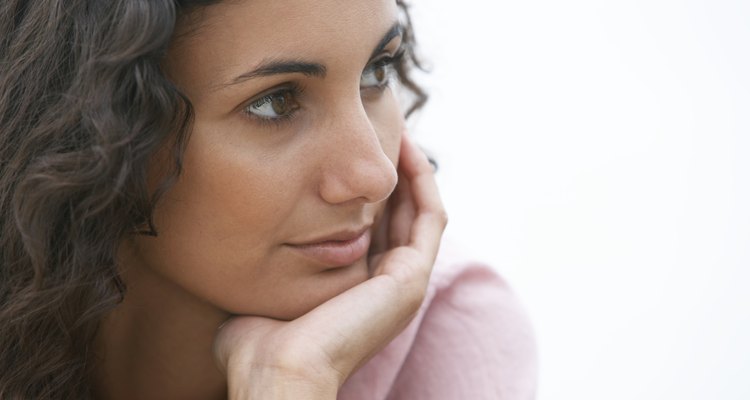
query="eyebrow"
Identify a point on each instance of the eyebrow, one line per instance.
(395, 31)
(313, 69)
(283, 67)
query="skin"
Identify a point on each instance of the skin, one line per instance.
(250, 188)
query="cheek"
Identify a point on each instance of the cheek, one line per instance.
(218, 223)
(224, 193)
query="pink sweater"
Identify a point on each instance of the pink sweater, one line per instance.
(471, 340)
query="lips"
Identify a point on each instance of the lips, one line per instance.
(337, 250)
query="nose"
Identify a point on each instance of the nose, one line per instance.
(356, 167)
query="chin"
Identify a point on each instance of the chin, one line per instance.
(316, 290)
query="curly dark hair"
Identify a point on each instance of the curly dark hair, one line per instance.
(84, 106)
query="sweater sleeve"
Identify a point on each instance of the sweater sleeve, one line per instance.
(474, 341)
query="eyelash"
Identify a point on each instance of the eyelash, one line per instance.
(390, 62)
(296, 90)
(291, 88)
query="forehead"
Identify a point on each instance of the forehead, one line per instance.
(223, 40)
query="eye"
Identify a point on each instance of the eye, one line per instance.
(375, 76)
(378, 74)
(272, 106)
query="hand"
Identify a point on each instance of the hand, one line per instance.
(311, 356)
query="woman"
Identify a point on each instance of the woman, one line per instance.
(207, 200)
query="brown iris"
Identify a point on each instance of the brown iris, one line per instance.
(281, 103)
(380, 73)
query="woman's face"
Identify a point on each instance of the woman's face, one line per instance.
(295, 142)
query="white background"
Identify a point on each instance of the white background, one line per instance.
(597, 153)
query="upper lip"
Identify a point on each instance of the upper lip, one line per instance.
(344, 235)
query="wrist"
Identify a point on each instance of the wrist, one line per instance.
(268, 383)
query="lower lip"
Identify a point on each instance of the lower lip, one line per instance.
(336, 253)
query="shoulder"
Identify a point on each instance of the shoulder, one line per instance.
(471, 339)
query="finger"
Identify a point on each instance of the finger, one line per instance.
(377, 310)
(402, 216)
(431, 217)
(380, 232)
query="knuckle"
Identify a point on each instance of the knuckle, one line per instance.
(425, 167)
(416, 297)
(441, 216)
(410, 285)
(411, 296)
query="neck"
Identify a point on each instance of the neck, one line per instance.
(158, 344)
